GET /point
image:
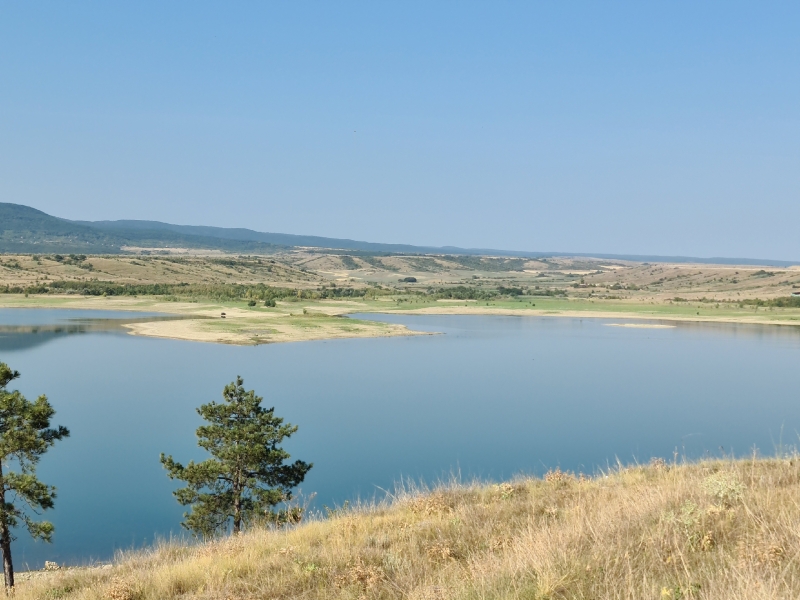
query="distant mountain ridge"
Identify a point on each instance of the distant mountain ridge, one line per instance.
(276, 239)
(27, 230)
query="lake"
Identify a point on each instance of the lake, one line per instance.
(491, 397)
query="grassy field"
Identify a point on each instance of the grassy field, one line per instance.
(581, 278)
(716, 530)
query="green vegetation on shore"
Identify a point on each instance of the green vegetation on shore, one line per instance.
(301, 310)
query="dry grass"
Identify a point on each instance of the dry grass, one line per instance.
(713, 530)
(626, 280)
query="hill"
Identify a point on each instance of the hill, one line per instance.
(277, 239)
(714, 530)
(27, 230)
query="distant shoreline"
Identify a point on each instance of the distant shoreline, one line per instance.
(321, 320)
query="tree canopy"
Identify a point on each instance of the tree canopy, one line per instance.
(247, 474)
(25, 435)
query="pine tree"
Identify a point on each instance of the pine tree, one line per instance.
(247, 475)
(25, 435)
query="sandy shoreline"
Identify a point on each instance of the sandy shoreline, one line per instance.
(478, 310)
(266, 332)
(295, 322)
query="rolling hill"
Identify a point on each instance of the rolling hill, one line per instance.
(27, 230)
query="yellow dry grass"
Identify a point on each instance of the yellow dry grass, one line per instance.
(721, 530)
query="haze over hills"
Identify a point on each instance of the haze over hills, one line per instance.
(24, 229)
(285, 240)
(27, 230)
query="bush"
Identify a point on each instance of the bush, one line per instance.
(782, 302)
(509, 291)
(724, 487)
(463, 293)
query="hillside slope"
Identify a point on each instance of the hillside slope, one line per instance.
(26, 230)
(281, 239)
(716, 530)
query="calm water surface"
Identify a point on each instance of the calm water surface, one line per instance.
(493, 397)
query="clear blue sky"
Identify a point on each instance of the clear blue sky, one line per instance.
(642, 127)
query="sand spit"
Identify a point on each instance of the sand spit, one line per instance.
(641, 325)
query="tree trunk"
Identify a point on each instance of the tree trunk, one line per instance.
(237, 511)
(8, 566)
(5, 540)
(237, 504)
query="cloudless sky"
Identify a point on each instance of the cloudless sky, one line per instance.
(657, 127)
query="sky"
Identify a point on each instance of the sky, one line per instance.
(661, 128)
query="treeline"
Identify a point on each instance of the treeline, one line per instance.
(260, 291)
(554, 292)
(462, 292)
(483, 263)
(228, 291)
(782, 302)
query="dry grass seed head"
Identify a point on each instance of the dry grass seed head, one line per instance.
(439, 551)
(348, 523)
(707, 542)
(762, 554)
(365, 577)
(500, 543)
(433, 592)
(558, 477)
(122, 589)
(432, 504)
(504, 490)
(659, 464)
(223, 548)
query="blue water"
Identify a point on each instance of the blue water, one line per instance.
(55, 316)
(492, 397)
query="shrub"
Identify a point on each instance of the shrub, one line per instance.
(724, 487)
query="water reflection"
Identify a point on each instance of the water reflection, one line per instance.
(18, 337)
